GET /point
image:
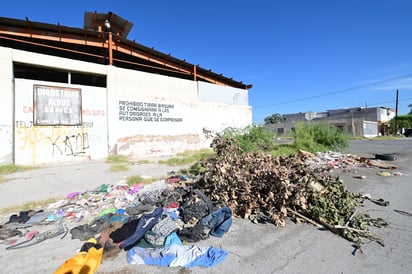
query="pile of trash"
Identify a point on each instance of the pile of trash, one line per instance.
(263, 188)
(155, 222)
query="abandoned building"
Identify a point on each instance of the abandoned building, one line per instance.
(366, 122)
(70, 94)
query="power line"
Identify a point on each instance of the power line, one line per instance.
(391, 101)
(337, 91)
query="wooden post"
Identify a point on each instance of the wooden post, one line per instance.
(396, 113)
(110, 49)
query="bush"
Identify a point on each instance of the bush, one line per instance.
(252, 138)
(315, 137)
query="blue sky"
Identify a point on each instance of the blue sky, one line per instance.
(299, 55)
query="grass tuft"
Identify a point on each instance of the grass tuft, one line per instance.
(29, 205)
(118, 167)
(187, 157)
(12, 168)
(114, 159)
(284, 150)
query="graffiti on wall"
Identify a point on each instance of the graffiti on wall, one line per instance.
(147, 112)
(59, 141)
(73, 145)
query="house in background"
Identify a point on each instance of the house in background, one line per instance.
(366, 122)
(74, 94)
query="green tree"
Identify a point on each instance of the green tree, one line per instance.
(275, 118)
(410, 111)
(402, 121)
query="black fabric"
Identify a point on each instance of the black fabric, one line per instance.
(146, 223)
(196, 206)
(193, 234)
(84, 232)
(139, 209)
(86, 246)
(22, 217)
(125, 231)
(6, 232)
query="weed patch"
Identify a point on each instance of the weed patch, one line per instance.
(188, 157)
(118, 167)
(113, 159)
(29, 205)
(12, 168)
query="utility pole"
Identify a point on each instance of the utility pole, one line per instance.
(396, 113)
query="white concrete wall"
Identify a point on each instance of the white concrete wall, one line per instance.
(6, 106)
(385, 115)
(50, 144)
(159, 115)
(139, 114)
(213, 93)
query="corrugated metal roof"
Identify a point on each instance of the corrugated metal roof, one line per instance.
(89, 39)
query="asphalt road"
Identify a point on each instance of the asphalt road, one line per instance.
(301, 248)
(260, 248)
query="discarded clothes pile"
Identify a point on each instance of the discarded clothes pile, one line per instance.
(157, 223)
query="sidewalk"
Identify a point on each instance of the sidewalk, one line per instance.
(59, 180)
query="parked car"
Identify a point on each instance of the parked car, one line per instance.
(408, 132)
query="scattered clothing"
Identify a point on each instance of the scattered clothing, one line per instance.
(84, 232)
(194, 234)
(125, 231)
(218, 221)
(196, 206)
(143, 220)
(86, 261)
(22, 217)
(177, 255)
(7, 232)
(163, 228)
(146, 222)
(38, 217)
(140, 209)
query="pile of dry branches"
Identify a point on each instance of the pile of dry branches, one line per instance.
(263, 188)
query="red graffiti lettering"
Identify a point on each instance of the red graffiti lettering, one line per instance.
(93, 112)
(27, 109)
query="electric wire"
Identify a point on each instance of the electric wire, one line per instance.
(336, 91)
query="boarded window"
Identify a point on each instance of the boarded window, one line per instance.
(280, 130)
(57, 106)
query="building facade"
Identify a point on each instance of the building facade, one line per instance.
(366, 122)
(74, 94)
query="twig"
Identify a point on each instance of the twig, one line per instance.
(350, 218)
(363, 233)
(402, 212)
(304, 217)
